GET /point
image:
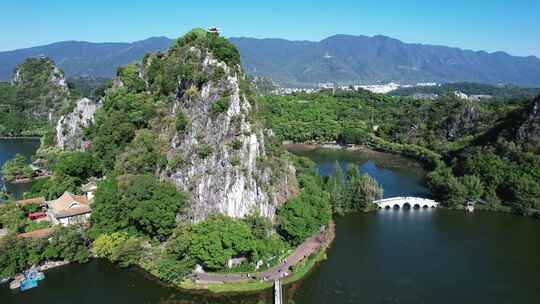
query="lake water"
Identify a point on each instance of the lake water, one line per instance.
(390, 256)
(8, 149)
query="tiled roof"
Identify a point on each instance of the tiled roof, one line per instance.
(68, 201)
(36, 200)
(37, 234)
(73, 211)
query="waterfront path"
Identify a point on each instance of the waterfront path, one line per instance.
(277, 272)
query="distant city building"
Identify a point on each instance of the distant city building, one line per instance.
(461, 95)
(430, 96)
(327, 85)
(428, 84)
(380, 88)
(472, 97)
(480, 97)
(374, 88)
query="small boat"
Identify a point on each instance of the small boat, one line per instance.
(28, 284)
(28, 280)
(16, 283)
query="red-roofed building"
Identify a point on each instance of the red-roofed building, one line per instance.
(40, 201)
(36, 234)
(69, 209)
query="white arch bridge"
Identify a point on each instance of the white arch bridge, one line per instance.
(402, 201)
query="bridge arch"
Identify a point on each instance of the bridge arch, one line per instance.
(411, 202)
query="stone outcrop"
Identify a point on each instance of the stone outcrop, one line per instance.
(69, 128)
(529, 131)
(462, 122)
(220, 157)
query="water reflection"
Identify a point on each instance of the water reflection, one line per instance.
(8, 149)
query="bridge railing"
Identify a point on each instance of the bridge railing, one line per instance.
(406, 199)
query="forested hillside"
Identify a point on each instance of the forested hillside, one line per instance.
(354, 59)
(342, 59)
(36, 96)
(483, 150)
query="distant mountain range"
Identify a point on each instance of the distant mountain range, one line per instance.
(80, 58)
(342, 59)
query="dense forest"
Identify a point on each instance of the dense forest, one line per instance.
(484, 151)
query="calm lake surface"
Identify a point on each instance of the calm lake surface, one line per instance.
(8, 149)
(390, 256)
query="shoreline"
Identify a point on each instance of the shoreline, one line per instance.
(27, 180)
(43, 267)
(379, 148)
(304, 267)
(425, 160)
(20, 137)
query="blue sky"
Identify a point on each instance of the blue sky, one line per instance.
(511, 26)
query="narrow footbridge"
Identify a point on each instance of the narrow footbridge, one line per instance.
(402, 201)
(278, 292)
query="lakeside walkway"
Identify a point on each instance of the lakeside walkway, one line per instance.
(277, 272)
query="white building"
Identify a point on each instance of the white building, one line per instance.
(69, 209)
(89, 189)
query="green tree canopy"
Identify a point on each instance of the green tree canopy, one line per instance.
(213, 241)
(137, 203)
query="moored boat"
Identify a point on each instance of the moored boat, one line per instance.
(16, 283)
(28, 280)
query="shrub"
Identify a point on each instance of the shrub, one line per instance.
(236, 144)
(118, 247)
(213, 241)
(220, 106)
(192, 92)
(235, 161)
(33, 225)
(176, 161)
(219, 72)
(182, 121)
(204, 151)
(129, 75)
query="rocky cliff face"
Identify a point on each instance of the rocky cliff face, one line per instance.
(217, 148)
(227, 180)
(529, 131)
(461, 122)
(69, 128)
